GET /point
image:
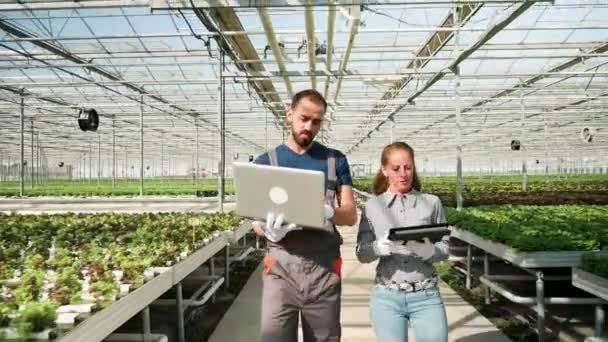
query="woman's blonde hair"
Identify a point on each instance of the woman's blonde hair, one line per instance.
(380, 183)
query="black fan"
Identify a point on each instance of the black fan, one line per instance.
(515, 145)
(60, 164)
(587, 134)
(88, 119)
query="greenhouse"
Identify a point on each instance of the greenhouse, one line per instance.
(128, 127)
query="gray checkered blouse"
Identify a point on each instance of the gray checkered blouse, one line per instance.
(387, 211)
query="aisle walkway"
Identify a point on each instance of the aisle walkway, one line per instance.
(241, 322)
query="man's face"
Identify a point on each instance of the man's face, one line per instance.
(305, 119)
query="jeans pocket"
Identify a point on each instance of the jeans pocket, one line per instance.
(432, 296)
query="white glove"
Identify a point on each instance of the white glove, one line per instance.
(385, 247)
(275, 230)
(425, 250)
(329, 212)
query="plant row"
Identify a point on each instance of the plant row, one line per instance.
(172, 187)
(590, 182)
(49, 261)
(537, 228)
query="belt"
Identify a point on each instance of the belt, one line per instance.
(408, 286)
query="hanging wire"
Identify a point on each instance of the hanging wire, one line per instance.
(207, 41)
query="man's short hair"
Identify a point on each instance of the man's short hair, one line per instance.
(310, 94)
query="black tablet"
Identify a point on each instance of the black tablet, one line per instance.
(432, 231)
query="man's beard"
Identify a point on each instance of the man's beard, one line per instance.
(303, 142)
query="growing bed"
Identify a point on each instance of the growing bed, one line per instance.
(59, 268)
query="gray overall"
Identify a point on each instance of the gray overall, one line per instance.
(302, 276)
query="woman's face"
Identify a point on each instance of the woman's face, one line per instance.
(399, 170)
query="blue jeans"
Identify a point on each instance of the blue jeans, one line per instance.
(391, 311)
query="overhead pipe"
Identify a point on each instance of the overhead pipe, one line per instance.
(354, 29)
(331, 24)
(274, 45)
(310, 42)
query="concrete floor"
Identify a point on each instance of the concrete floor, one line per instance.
(465, 324)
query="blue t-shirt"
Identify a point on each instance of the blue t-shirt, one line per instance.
(313, 159)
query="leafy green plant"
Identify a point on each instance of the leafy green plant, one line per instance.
(104, 293)
(35, 317)
(67, 287)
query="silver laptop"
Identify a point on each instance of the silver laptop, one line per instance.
(298, 194)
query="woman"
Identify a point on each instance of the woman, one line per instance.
(406, 285)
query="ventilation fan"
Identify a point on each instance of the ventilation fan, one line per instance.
(515, 145)
(60, 164)
(587, 134)
(88, 120)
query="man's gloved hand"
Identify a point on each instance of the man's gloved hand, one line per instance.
(329, 212)
(425, 250)
(385, 247)
(275, 230)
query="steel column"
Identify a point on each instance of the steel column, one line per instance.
(22, 143)
(469, 262)
(180, 313)
(486, 273)
(540, 306)
(162, 157)
(221, 121)
(524, 173)
(600, 317)
(113, 153)
(98, 159)
(196, 146)
(141, 146)
(227, 267)
(32, 156)
(456, 70)
(146, 323)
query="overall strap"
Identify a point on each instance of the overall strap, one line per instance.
(332, 187)
(332, 180)
(272, 157)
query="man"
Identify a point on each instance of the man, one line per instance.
(302, 267)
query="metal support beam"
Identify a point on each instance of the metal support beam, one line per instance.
(524, 142)
(540, 305)
(141, 146)
(22, 144)
(221, 132)
(456, 71)
(181, 332)
(227, 267)
(146, 323)
(113, 153)
(32, 164)
(98, 159)
(162, 157)
(196, 147)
